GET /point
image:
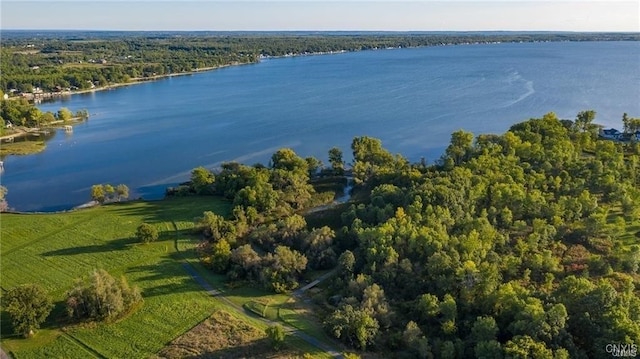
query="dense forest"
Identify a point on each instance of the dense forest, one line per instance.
(520, 245)
(60, 61)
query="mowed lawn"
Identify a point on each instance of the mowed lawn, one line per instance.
(53, 250)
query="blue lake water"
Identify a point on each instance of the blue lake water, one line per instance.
(150, 136)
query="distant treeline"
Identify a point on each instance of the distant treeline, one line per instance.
(57, 61)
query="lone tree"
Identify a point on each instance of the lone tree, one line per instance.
(146, 233)
(337, 163)
(28, 306)
(584, 120)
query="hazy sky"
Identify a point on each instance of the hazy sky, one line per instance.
(572, 15)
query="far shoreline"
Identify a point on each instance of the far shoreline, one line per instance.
(54, 96)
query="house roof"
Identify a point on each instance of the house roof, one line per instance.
(611, 131)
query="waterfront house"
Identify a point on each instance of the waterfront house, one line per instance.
(610, 134)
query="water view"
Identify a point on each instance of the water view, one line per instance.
(150, 136)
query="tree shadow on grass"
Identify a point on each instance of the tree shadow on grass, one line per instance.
(182, 286)
(166, 270)
(177, 209)
(120, 244)
(112, 245)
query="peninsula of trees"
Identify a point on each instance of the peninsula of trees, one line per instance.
(20, 118)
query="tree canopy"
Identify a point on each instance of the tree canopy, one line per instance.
(509, 246)
(28, 306)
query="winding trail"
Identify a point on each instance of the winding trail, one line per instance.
(288, 329)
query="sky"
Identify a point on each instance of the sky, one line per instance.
(328, 15)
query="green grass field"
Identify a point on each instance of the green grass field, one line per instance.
(53, 250)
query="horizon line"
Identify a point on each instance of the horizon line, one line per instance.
(328, 31)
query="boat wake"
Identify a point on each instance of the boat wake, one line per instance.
(515, 77)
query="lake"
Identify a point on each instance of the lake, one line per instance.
(149, 136)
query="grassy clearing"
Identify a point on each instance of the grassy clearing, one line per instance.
(631, 234)
(262, 309)
(53, 250)
(280, 307)
(220, 332)
(224, 335)
(300, 315)
(243, 296)
(64, 348)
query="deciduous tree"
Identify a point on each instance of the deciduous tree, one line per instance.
(98, 193)
(201, 180)
(28, 306)
(64, 114)
(337, 163)
(122, 191)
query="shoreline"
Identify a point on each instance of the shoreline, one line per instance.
(26, 131)
(54, 96)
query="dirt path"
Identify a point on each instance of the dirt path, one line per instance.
(290, 330)
(322, 278)
(220, 296)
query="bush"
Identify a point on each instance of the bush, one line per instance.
(146, 233)
(103, 297)
(277, 335)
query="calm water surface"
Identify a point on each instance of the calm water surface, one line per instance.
(151, 135)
